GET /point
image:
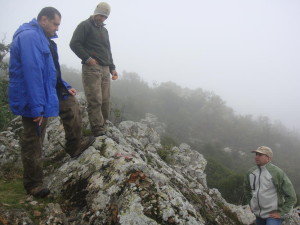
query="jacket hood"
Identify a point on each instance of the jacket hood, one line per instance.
(32, 25)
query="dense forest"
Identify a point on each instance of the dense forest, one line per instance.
(199, 118)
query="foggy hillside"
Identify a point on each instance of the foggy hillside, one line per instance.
(204, 121)
(245, 51)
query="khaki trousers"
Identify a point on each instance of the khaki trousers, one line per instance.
(96, 84)
(32, 141)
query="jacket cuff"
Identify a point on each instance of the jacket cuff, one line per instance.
(38, 111)
(89, 59)
(112, 67)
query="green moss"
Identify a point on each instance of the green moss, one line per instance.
(13, 196)
(165, 154)
(10, 171)
(12, 193)
(103, 147)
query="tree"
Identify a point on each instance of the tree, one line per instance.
(4, 50)
(5, 114)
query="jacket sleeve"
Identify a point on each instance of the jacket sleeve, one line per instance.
(112, 65)
(32, 66)
(68, 86)
(78, 40)
(289, 195)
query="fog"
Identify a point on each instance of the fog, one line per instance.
(247, 52)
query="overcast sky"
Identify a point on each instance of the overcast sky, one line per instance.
(246, 51)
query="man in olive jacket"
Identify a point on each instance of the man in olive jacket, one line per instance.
(90, 42)
(268, 190)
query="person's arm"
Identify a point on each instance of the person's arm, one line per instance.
(77, 41)
(112, 66)
(32, 67)
(289, 195)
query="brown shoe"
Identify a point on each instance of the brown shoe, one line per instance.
(84, 144)
(39, 192)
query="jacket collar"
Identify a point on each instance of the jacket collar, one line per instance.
(264, 166)
(96, 24)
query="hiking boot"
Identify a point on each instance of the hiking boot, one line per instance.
(84, 144)
(39, 192)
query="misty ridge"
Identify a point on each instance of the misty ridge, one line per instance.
(199, 118)
(202, 119)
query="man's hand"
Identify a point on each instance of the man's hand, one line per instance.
(38, 120)
(72, 91)
(91, 62)
(114, 75)
(275, 215)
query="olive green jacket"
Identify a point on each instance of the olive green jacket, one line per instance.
(92, 41)
(267, 189)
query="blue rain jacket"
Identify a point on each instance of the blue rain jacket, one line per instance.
(32, 74)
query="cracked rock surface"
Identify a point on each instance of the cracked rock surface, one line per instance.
(123, 179)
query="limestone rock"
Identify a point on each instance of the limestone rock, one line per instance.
(125, 178)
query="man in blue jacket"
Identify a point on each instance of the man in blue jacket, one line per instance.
(37, 91)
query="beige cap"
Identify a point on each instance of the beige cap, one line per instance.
(264, 150)
(102, 9)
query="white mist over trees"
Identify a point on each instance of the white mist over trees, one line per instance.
(204, 121)
(247, 52)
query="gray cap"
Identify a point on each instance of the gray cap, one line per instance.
(264, 150)
(102, 9)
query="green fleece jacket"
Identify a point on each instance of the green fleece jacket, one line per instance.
(90, 40)
(267, 189)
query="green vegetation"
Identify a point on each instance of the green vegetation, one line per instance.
(12, 193)
(13, 196)
(86, 132)
(5, 115)
(228, 182)
(202, 120)
(168, 142)
(166, 152)
(197, 117)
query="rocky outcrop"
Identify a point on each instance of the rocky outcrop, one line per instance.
(122, 179)
(126, 177)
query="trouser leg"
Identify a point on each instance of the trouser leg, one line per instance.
(105, 86)
(31, 153)
(69, 112)
(96, 83)
(272, 221)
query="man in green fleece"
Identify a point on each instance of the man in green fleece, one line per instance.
(268, 190)
(90, 42)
